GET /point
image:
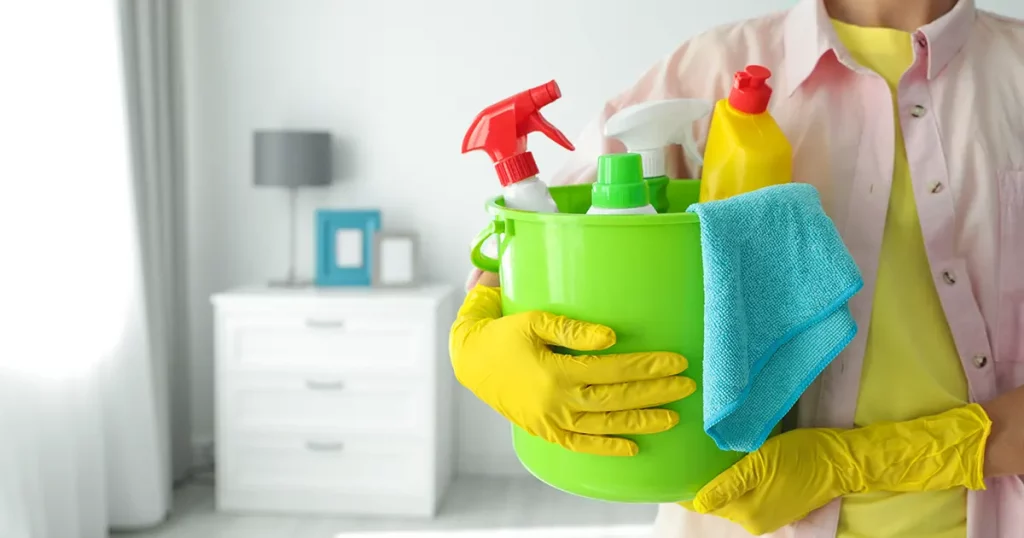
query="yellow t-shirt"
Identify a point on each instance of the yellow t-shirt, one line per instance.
(911, 366)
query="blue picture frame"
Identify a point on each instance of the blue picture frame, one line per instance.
(344, 246)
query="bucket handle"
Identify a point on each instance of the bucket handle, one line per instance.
(479, 259)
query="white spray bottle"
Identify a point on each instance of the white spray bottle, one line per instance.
(648, 128)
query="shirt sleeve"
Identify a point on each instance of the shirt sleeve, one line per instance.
(694, 70)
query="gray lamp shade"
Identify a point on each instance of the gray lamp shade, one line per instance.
(292, 158)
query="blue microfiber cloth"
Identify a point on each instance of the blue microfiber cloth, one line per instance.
(777, 280)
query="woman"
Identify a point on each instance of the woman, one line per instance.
(917, 428)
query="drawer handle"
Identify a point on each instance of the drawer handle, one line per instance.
(321, 446)
(324, 385)
(324, 324)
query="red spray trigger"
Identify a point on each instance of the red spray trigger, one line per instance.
(543, 96)
(750, 91)
(501, 130)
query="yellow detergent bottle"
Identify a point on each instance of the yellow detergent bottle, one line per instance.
(746, 150)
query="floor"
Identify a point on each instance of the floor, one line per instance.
(483, 507)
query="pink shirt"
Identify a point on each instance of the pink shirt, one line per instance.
(962, 112)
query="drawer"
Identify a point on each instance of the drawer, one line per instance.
(326, 342)
(323, 403)
(327, 464)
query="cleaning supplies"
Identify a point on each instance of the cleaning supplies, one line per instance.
(620, 188)
(501, 130)
(746, 150)
(777, 282)
(647, 128)
(641, 276)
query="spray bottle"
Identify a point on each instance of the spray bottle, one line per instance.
(501, 131)
(647, 128)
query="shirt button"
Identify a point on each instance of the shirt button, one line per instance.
(949, 277)
(937, 187)
(917, 111)
(980, 361)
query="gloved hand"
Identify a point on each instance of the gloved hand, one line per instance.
(575, 401)
(803, 470)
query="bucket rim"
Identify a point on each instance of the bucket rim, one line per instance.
(495, 206)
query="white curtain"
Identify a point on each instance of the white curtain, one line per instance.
(88, 273)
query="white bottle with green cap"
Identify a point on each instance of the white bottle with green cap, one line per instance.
(620, 188)
(648, 128)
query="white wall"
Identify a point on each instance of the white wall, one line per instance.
(398, 82)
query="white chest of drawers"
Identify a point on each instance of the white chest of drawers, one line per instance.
(333, 401)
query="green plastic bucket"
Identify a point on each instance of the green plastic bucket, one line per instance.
(642, 276)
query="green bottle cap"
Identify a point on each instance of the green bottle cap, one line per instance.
(620, 182)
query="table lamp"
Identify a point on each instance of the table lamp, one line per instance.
(292, 159)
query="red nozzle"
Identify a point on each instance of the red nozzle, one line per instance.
(501, 131)
(750, 91)
(545, 94)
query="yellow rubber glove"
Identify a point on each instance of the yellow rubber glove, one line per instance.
(802, 470)
(575, 401)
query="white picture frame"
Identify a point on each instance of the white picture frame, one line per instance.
(394, 259)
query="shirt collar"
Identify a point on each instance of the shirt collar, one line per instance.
(809, 36)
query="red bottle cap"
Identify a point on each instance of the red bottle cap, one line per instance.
(516, 168)
(750, 91)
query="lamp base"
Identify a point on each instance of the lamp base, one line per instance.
(290, 283)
